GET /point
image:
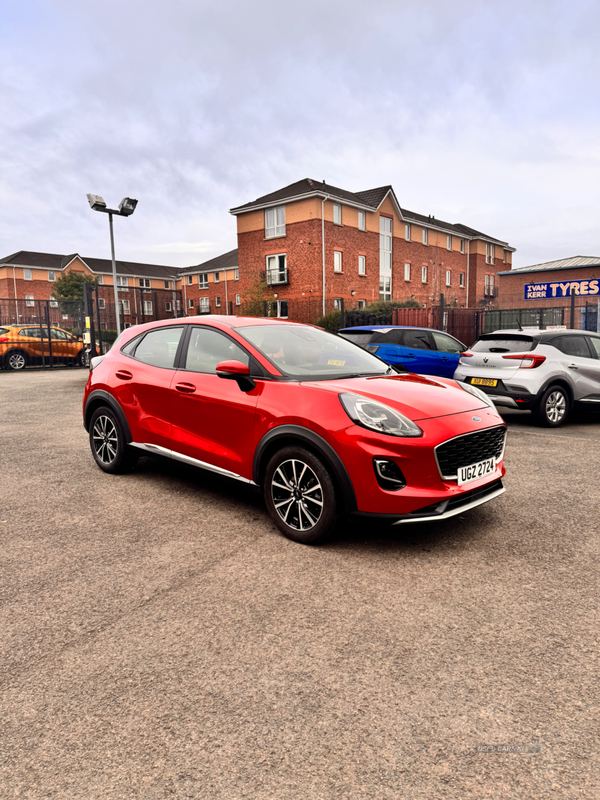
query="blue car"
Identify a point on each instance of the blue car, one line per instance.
(421, 350)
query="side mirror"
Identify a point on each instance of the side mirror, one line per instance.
(236, 371)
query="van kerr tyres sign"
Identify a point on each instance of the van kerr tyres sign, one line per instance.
(542, 291)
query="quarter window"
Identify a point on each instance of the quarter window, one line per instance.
(274, 222)
(446, 344)
(159, 347)
(573, 346)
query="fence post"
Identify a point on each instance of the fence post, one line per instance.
(47, 312)
(156, 306)
(231, 308)
(442, 309)
(42, 332)
(342, 313)
(264, 308)
(96, 297)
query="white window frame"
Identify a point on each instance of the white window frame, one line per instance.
(461, 280)
(425, 236)
(27, 275)
(190, 279)
(122, 281)
(29, 300)
(101, 302)
(53, 303)
(191, 302)
(337, 214)
(448, 277)
(407, 231)
(337, 261)
(148, 308)
(144, 283)
(168, 285)
(124, 307)
(218, 301)
(489, 254)
(362, 303)
(362, 265)
(238, 301)
(203, 280)
(407, 271)
(487, 284)
(236, 274)
(462, 245)
(274, 268)
(51, 275)
(217, 277)
(168, 306)
(448, 242)
(424, 273)
(362, 220)
(274, 222)
(203, 304)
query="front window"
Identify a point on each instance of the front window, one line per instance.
(448, 242)
(190, 278)
(462, 280)
(448, 277)
(190, 302)
(122, 281)
(337, 213)
(51, 275)
(407, 272)
(277, 268)
(27, 275)
(29, 300)
(218, 301)
(123, 306)
(337, 261)
(236, 274)
(144, 283)
(274, 222)
(208, 348)
(101, 302)
(407, 232)
(462, 245)
(423, 274)
(362, 220)
(147, 306)
(237, 300)
(300, 352)
(362, 265)
(489, 254)
(217, 277)
(204, 304)
(203, 280)
(425, 236)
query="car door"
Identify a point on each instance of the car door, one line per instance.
(581, 363)
(213, 419)
(418, 350)
(448, 350)
(30, 340)
(141, 383)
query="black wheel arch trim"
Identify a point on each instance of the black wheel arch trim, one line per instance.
(109, 400)
(561, 383)
(323, 448)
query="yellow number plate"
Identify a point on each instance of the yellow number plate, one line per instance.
(484, 382)
(332, 362)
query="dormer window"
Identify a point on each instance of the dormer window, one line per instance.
(274, 222)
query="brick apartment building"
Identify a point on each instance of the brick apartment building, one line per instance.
(362, 247)
(213, 287)
(550, 285)
(30, 276)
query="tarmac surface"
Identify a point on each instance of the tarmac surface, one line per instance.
(160, 639)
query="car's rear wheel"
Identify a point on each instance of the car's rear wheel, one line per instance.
(16, 360)
(553, 407)
(83, 358)
(300, 495)
(108, 444)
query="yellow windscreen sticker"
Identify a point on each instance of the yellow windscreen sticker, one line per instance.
(335, 363)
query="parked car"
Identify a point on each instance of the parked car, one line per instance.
(322, 427)
(21, 345)
(420, 350)
(549, 372)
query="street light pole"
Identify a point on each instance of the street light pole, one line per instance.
(114, 273)
(126, 209)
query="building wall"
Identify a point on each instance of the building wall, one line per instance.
(512, 290)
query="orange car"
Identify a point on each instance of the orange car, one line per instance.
(21, 345)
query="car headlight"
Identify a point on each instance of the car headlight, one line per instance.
(476, 393)
(377, 417)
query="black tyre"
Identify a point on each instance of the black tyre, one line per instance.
(107, 442)
(83, 358)
(16, 360)
(300, 495)
(553, 408)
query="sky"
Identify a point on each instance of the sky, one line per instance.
(484, 112)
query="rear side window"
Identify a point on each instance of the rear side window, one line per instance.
(504, 344)
(417, 340)
(159, 348)
(573, 346)
(446, 344)
(358, 337)
(595, 345)
(4, 330)
(387, 337)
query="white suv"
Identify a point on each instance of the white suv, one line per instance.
(548, 372)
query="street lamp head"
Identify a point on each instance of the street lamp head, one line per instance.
(96, 202)
(127, 206)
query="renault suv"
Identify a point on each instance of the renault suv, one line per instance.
(549, 372)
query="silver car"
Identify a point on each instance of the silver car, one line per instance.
(549, 372)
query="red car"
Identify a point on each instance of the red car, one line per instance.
(323, 427)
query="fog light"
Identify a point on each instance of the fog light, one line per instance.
(389, 475)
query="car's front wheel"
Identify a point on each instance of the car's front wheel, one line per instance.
(16, 360)
(108, 444)
(553, 407)
(83, 358)
(300, 495)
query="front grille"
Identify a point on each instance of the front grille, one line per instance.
(469, 449)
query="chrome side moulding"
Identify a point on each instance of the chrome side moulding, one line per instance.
(194, 462)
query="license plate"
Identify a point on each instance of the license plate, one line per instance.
(476, 471)
(484, 382)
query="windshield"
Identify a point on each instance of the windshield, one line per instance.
(504, 343)
(305, 352)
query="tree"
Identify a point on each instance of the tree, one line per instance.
(254, 298)
(69, 287)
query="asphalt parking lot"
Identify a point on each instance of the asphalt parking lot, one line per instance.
(160, 639)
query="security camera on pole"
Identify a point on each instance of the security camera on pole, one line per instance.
(126, 209)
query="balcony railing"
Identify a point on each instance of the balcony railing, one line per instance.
(491, 291)
(276, 276)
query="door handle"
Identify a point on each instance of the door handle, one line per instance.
(185, 388)
(123, 375)
(572, 366)
(444, 358)
(409, 355)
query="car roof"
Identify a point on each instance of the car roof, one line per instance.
(392, 328)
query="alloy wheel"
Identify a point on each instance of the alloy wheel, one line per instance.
(556, 406)
(297, 495)
(105, 439)
(17, 361)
